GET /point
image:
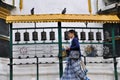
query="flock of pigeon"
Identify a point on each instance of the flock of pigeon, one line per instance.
(63, 11)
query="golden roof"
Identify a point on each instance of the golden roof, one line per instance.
(62, 18)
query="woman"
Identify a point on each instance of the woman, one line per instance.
(73, 70)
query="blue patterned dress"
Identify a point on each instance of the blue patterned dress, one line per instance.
(73, 69)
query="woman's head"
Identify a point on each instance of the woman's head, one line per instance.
(72, 34)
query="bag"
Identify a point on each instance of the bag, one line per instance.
(64, 54)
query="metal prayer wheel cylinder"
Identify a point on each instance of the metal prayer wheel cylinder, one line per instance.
(66, 35)
(52, 35)
(26, 36)
(98, 36)
(17, 36)
(83, 35)
(106, 35)
(90, 36)
(43, 36)
(35, 36)
(76, 33)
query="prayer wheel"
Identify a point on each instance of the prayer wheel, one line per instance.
(66, 35)
(83, 35)
(26, 36)
(52, 35)
(35, 36)
(90, 36)
(17, 36)
(98, 36)
(43, 36)
(106, 35)
(76, 33)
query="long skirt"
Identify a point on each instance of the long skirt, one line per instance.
(73, 70)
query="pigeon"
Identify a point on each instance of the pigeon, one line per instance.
(64, 11)
(32, 11)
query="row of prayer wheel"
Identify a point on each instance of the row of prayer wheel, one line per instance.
(83, 35)
(34, 36)
(52, 36)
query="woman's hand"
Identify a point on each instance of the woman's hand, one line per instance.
(68, 48)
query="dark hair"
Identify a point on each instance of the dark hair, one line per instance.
(74, 32)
